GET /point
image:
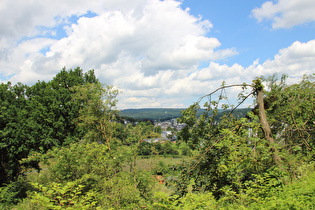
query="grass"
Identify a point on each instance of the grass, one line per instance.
(149, 164)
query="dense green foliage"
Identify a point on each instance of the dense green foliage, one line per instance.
(167, 148)
(298, 195)
(235, 155)
(84, 175)
(291, 110)
(97, 113)
(91, 160)
(37, 118)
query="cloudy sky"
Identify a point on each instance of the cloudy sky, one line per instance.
(158, 53)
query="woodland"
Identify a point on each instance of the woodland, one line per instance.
(64, 145)
(163, 114)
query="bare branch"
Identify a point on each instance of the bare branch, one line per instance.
(240, 103)
(223, 87)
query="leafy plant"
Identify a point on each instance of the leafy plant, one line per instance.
(13, 192)
(189, 201)
(67, 196)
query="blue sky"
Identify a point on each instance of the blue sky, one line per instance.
(235, 26)
(158, 53)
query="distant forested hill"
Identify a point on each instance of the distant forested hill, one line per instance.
(152, 113)
(168, 113)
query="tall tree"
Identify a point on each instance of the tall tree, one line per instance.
(97, 115)
(64, 110)
(37, 118)
(15, 141)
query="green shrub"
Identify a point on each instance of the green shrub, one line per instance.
(168, 149)
(186, 151)
(69, 195)
(72, 162)
(298, 195)
(145, 183)
(119, 192)
(189, 202)
(14, 192)
(161, 168)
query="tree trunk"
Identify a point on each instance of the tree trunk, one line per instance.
(265, 125)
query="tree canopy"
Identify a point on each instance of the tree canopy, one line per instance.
(38, 117)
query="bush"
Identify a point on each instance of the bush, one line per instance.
(144, 148)
(168, 149)
(145, 182)
(72, 162)
(85, 176)
(186, 151)
(298, 195)
(190, 201)
(63, 196)
(161, 169)
(14, 192)
(119, 192)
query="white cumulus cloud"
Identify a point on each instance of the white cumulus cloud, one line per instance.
(286, 13)
(295, 61)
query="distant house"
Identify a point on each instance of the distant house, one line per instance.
(126, 122)
(153, 140)
(165, 134)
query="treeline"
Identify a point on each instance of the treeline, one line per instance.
(162, 114)
(154, 114)
(70, 127)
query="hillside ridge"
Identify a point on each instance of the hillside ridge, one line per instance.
(160, 114)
